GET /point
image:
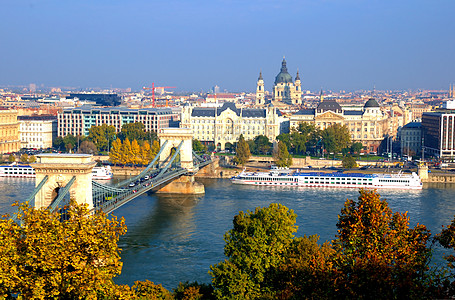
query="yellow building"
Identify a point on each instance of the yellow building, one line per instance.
(368, 125)
(9, 131)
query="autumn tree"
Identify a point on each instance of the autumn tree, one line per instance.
(126, 152)
(242, 151)
(377, 254)
(281, 155)
(135, 152)
(46, 257)
(32, 159)
(145, 153)
(149, 290)
(115, 154)
(255, 248)
(154, 150)
(24, 158)
(11, 158)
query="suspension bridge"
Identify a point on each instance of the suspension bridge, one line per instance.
(60, 177)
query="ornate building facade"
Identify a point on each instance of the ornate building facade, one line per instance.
(9, 131)
(368, 126)
(284, 90)
(222, 125)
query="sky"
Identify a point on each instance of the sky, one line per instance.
(195, 45)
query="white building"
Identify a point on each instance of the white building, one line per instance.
(37, 131)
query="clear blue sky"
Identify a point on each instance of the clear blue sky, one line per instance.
(193, 45)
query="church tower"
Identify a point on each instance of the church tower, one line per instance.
(451, 91)
(260, 93)
(297, 95)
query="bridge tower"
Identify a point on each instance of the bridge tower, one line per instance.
(60, 170)
(175, 136)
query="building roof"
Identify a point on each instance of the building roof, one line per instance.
(203, 112)
(245, 113)
(305, 112)
(329, 105)
(227, 105)
(283, 76)
(372, 103)
(119, 109)
(253, 113)
(413, 125)
(353, 112)
(37, 118)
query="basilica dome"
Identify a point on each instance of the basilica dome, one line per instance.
(283, 76)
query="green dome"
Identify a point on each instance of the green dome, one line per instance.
(283, 76)
(371, 103)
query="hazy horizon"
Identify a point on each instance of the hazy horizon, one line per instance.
(194, 45)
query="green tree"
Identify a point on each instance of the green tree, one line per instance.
(45, 257)
(349, 162)
(377, 254)
(242, 152)
(58, 143)
(24, 158)
(281, 155)
(335, 138)
(87, 147)
(356, 147)
(70, 141)
(11, 158)
(262, 144)
(102, 136)
(255, 248)
(115, 154)
(135, 131)
(198, 146)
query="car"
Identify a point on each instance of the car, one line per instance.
(132, 184)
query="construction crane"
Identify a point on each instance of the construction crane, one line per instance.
(154, 88)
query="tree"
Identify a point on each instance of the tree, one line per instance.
(44, 256)
(126, 152)
(24, 158)
(115, 154)
(58, 143)
(377, 253)
(155, 149)
(335, 138)
(69, 142)
(135, 153)
(349, 162)
(149, 290)
(135, 131)
(198, 146)
(102, 136)
(262, 144)
(145, 153)
(281, 155)
(242, 152)
(356, 147)
(11, 158)
(87, 147)
(32, 159)
(255, 248)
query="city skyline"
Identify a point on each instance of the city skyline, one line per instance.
(354, 45)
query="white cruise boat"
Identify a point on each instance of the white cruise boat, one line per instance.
(330, 180)
(102, 173)
(16, 170)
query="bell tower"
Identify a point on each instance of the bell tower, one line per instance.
(260, 93)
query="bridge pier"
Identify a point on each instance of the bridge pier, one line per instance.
(183, 185)
(60, 168)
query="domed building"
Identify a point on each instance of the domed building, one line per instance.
(284, 89)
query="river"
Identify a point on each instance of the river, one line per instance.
(176, 238)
